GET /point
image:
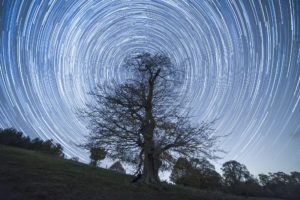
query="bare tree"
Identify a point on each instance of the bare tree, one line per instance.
(140, 121)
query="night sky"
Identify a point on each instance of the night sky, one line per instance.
(242, 63)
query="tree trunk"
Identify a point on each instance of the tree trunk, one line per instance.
(151, 168)
(152, 161)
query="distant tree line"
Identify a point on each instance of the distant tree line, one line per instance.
(12, 137)
(236, 179)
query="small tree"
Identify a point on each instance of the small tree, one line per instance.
(141, 121)
(234, 173)
(97, 154)
(117, 166)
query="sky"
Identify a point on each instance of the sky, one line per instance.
(241, 58)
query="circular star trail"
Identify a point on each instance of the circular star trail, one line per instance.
(242, 63)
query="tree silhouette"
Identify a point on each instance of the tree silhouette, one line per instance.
(96, 154)
(234, 173)
(140, 121)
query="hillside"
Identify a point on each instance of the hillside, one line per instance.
(30, 175)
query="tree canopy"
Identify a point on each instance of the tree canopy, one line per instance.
(199, 173)
(142, 121)
(234, 173)
(97, 154)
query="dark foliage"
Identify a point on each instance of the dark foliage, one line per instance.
(12, 137)
(281, 185)
(235, 173)
(97, 154)
(117, 166)
(198, 173)
(236, 179)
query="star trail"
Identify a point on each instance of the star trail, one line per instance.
(242, 63)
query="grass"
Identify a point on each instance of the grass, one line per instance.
(29, 175)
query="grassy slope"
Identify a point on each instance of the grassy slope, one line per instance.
(30, 175)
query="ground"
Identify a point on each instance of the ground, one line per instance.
(29, 175)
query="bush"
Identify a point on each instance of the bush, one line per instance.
(117, 166)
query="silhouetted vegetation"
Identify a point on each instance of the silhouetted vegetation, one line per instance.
(280, 184)
(236, 179)
(140, 121)
(12, 137)
(118, 167)
(96, 154)
(199, 173)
